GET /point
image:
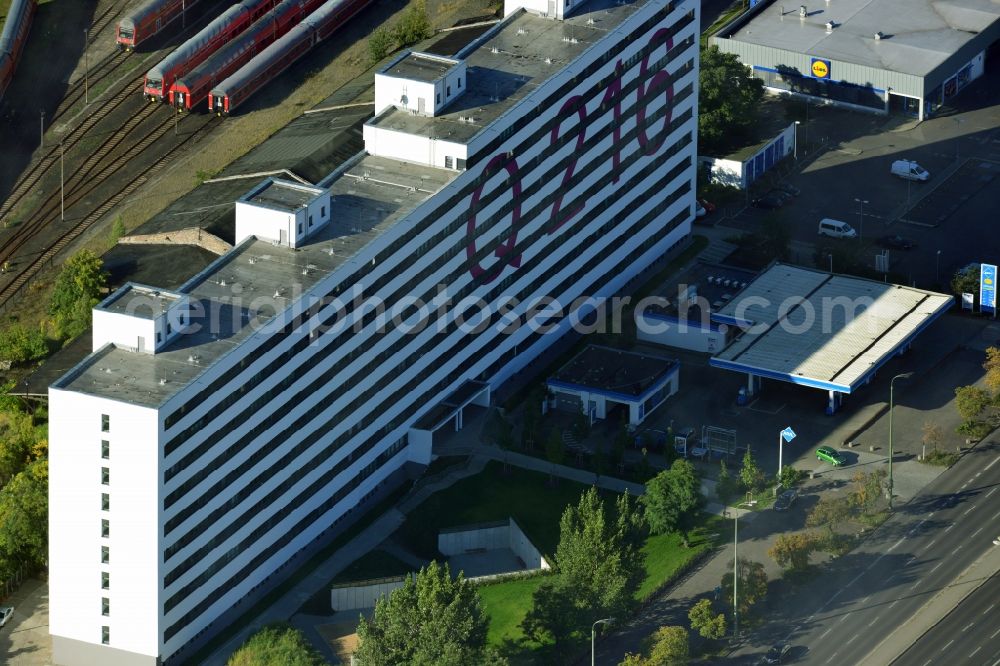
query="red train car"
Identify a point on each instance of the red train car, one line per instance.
(149, 19)
(280, 55)
(194, 51)
(192, 89)
(13, 38)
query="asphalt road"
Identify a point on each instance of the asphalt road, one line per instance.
(856, 601)
(969, 634)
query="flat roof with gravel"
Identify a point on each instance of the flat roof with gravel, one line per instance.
(823, 330)
(614, 371)
(917, 35)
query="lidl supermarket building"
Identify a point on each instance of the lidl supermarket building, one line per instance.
(907, 56)
(192, 457)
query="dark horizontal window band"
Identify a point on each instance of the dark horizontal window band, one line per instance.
(317, 433)
(551, 99)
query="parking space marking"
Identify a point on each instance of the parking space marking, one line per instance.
(989, 609)
(825, 633)
(831, 657)
(947, 645)
(977, 531)
(851, 639)
(967, 627)
(935, 567)
(975, 651)
(995, 634)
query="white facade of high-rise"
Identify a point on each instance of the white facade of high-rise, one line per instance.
(291, 396)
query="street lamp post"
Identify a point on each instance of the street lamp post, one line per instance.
(861, 216)
(593, 635)
(62, 189)
(937, 268)
(892, 382)
(795, 140)
(736, 578)
(830, 256)
(41, 130)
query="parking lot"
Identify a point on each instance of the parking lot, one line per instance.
(846, 155)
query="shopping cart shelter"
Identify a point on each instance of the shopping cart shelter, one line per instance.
(821, 330)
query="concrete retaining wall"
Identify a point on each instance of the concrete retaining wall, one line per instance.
(493, 536)
(363, 595)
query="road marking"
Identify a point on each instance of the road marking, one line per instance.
(893, 603)
(995, 634)
(977, 531)
(958, 547)
(949, 527)
(927, 547)
(975, 651)
(842, 618)
(991, 464)
(964, 485)
(967, 627)
(969, 509)
(826, 632)
(831, 657)
(989, 609)
(865, 600)
(947, 645)
(851, 640)
(893, 547)
(935, 567)
(991, 492)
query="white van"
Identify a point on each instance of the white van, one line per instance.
(836, 229)
(909, 170)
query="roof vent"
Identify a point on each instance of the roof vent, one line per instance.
(879, 35)
(802, 11)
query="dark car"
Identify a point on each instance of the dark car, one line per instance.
(790, 190)
(768, 202)
(896, 242)
(785, 500)
(707, 205)
(776, 654)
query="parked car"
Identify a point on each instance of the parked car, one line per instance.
(786, 499)
(699, 210)
(707, 205)
(768, 202)
(776, 654)
(836, 229)
(909, 170)
(789, 189)
(830, 455)
(5, 614)
(896, 242)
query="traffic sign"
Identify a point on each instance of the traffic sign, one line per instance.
(788, 434)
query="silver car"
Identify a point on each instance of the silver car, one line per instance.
(5, 614)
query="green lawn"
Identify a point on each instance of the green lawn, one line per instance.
(666, 554)
(489, 496)
(507, 603)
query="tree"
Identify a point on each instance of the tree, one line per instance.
(670, 647)
(672, 499)
(17, 440)
(792, 551)
(752, 585)
(750, 475)
(117, 230)
(706, 622)
(21, 345)
(380, 43)
(599, 566)
(830, 512)
(24, 505)
(414, 26)
(76, 292)
(433, 619)
(971, 402)
(726, 485)
(966, 281)
(728, 101)
(632, 659)
(992, 367)
(867, 489)
(554, 451)
(276, 644)
(932, 435)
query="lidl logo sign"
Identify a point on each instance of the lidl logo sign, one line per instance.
(820, 68)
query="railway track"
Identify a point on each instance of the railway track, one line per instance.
(104, 18)
(30, 178)
(35, 265)
(101, 71)
(85, 179)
